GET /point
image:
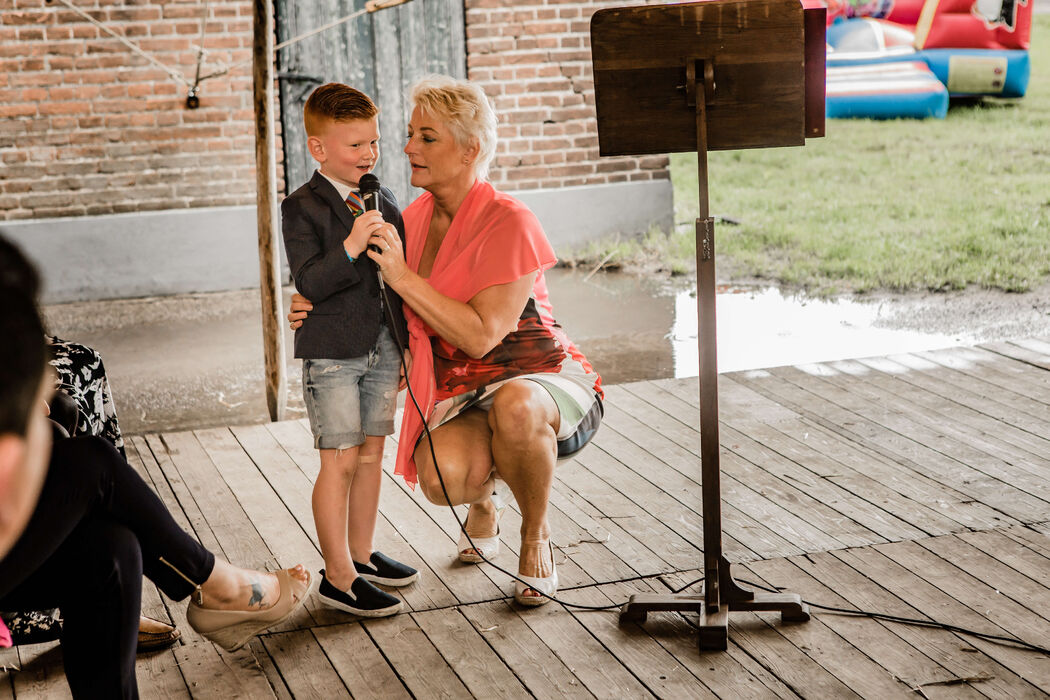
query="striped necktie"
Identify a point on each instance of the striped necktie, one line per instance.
(356, 204)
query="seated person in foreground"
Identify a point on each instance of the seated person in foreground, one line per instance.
(78, 528)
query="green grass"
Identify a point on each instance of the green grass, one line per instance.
(898, 205)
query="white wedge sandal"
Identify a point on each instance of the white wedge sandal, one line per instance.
(487, 547)
(548, 585)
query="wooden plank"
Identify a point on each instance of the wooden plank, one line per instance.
(158, 673)
(587, 658)
(999, 569)
(971, 589)
(897, 662)
(273, 676)
(834, 653)
(826, 504)
(563, 528)
(732, 674)
(8, 670)
(660, 672)
(941, 646)
(1036, 358)
(303, 665)
(466, 582)
(644, 421)
(989, 410)
(993, 375)
(359, 663)
(1036, 537)
(979, 445)
(242, 504)
(390, 98)
(158, 676)
(655, 451)
(40, 672)
(162, 469)
(1014, 504)
(863, 474)
(263, 492)
(599, 551)
(743, 537)
(607, 487)
(420, 666)
(574, 561)
(913, 434)
(139, 453)
(468, 654)
(543, 672)
(905, 580)
(213, 673)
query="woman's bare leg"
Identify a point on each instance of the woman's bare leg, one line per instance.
(465, 460)
(524, 421)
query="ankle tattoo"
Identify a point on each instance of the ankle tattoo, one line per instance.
(257, 594)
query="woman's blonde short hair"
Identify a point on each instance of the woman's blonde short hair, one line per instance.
(465, 109)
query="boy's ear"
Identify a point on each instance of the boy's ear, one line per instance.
(12, 454)
(316, 148)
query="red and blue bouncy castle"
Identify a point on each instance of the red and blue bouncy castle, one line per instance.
(904, 58)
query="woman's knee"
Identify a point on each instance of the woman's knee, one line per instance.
(110, 556)
(444, 482)
(519, 413)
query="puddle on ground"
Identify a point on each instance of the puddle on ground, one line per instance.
(634, 328)
(173, 366)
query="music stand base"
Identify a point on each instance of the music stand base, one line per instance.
(714, 626)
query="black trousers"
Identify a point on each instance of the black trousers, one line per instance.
(97, 528)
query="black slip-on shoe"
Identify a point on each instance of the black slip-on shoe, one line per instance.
(362, 599)
(384, 570)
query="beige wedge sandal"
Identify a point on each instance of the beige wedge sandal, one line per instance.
(231, 629)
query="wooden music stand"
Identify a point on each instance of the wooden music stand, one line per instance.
(714, 75)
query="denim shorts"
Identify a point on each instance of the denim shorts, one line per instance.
(349, 399)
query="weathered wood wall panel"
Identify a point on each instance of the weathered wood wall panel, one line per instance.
(382, 54)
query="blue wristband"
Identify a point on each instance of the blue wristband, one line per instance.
(349, 257)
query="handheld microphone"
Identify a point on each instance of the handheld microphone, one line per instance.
(369, 188)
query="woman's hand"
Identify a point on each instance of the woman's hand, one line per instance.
(297, 312)
(390, 256)
(406, 369)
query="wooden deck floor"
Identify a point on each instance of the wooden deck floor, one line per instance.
(917, 485)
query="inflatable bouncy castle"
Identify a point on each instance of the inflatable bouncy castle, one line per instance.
(904, 58)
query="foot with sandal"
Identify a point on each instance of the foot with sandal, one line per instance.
(536, 565)
(236, 604)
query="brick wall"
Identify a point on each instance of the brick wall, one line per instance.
(87, 127)
(533, 58)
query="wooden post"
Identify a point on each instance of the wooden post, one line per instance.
(266, 207)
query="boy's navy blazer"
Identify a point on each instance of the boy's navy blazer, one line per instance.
(347, 313)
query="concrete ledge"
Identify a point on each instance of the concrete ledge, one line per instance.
(179, 251)
(174, 251)
(574, 215)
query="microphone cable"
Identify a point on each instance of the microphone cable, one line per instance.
(997, 639)
(437, 469)
(916, 622)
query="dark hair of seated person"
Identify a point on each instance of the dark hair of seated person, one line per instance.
(23, 352)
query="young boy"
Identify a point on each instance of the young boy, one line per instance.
(350, 358)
